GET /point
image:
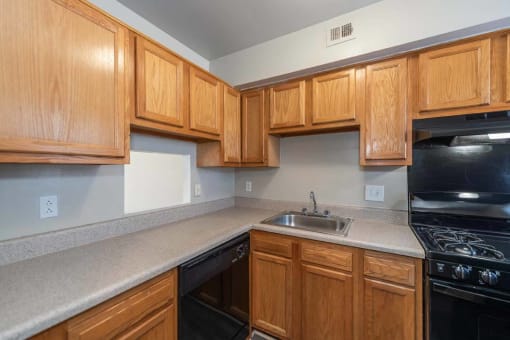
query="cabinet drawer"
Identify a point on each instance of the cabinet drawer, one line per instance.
(113, 317)
(389, 267)
(272, 244)
(329, 255)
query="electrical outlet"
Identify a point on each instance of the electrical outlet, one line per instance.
(48, 206)
(198, 190)
(374, 193)
(248, 186)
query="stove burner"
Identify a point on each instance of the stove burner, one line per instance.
(464, 243)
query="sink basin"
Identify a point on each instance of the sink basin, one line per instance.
(331, 224)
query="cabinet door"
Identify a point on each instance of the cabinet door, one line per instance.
(159, 84)
(287, 105)
(389, 311)
(232, 125)
(334, 97)
(205, 102)
(253, 127)
(62, 89)
(453, 77)
(327, 299)
(508, 68)
(160, 326)
(385, 130)
(271, 294)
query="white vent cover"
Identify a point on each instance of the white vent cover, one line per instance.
(340, 34)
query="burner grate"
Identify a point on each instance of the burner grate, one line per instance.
(464, 243)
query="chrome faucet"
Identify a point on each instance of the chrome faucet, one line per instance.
(312, 197)
(315, 211)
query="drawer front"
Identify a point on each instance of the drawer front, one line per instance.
(327, 255)
(390, 268)
(111, 318)
(271, 244)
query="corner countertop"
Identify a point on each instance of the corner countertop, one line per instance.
(41, 292)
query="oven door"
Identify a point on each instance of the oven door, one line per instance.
(457, 311)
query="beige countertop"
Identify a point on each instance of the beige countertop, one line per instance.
(38, 293)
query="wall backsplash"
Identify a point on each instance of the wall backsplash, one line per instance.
(88, 193)
(329, 165)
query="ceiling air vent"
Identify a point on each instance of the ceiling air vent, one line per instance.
(340, 34)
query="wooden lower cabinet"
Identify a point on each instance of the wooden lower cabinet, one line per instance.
(160, 326)
(327, 298)
(389, 311)
(148, 311)
(309, 290)
(271, 294)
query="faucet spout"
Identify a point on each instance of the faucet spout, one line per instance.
(312, 197)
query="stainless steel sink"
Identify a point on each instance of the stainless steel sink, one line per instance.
(330, 224)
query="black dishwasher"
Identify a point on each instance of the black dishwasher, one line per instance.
(214, 293)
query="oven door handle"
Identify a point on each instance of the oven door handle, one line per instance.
(473, 297)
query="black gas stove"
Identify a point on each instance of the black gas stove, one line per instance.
(459, 209)
(467, 256)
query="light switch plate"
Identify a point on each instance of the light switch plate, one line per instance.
(374, 193)
(198, 190)
(248, 186)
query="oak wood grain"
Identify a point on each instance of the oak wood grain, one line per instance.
(206, 100)
(159, 84)
(287, 105)
(507, 68)
(389, 311)
(327, 312)
(62, 88)
(386, 126)
(327, 254)
(271, 243)
(112, 318)
(231, 125)
(455, 76)
(253, 120)
(390, 268)
(159, 326)
(334, 97)
(271, 294)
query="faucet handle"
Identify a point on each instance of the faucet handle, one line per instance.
(304, 210)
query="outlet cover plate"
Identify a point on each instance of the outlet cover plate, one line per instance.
(48, 206)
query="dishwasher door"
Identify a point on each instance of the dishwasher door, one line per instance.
(214, 293)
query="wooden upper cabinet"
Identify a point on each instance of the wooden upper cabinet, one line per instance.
(386, 127)
(206, 100)
(287, 105)
(271, 294)
(327, 303)
(389, 311)
(253, 119)
(334, 97)
(159, 84)
(455, 77)
(62, 89)
(231, 125)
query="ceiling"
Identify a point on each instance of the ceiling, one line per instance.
(214, 28)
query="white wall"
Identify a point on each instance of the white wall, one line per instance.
(88, 193)
(383, 25)
(124, 14)
(329, 165)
